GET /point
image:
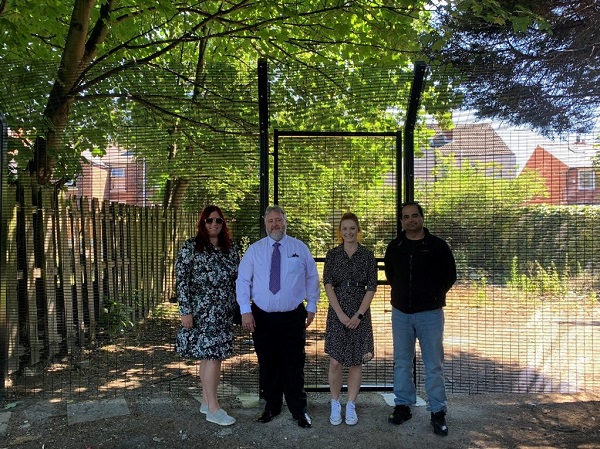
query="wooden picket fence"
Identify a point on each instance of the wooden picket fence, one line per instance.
(78, 269)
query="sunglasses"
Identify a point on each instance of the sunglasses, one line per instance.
(217, 220)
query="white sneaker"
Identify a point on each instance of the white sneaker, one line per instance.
(336, 413)
(203, 408)
(220, 417)
(351, 417)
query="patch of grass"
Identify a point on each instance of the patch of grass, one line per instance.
(546, 282)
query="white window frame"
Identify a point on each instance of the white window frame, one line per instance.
(586, 179)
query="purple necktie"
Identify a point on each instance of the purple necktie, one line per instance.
(274, 281)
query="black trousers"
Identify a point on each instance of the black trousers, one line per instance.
(279, 340)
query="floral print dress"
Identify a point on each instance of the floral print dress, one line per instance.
(350, 347)
(206, 290)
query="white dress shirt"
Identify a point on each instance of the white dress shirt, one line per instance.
(299, 277)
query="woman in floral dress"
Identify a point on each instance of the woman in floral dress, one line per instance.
(206, 270)
(350, 278)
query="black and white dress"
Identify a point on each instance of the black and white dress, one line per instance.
(350, 347)
(206, 289)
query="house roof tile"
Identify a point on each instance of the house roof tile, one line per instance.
(473, 139)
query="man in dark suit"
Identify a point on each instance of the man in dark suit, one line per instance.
(276, 275)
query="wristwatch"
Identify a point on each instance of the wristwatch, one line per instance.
(359, 316)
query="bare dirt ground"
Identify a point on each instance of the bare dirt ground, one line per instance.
(475, 421)
(543, 360)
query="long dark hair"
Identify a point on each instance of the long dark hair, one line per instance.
(202, 239)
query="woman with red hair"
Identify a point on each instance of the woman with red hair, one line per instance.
(206, 270)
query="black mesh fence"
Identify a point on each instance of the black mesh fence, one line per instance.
(87, 269)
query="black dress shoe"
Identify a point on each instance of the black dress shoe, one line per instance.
(304, 421)
(267, 416)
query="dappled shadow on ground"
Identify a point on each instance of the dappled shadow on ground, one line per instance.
(143, 360)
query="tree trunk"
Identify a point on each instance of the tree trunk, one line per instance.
(75, 58)
(174, 191)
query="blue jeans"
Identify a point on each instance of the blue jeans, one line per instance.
(428, 328)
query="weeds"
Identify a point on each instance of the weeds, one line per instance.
(550, 282)
(115, 317)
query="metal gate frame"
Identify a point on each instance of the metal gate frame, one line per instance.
(404, 163)
(3, 254)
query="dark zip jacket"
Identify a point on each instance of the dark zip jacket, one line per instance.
(420, 272)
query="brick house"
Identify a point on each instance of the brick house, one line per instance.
(568, 172)
(117, 176)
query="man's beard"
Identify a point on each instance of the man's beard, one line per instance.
(277, 234)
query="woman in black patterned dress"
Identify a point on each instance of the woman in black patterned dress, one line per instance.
(206, 270)
(350, 278)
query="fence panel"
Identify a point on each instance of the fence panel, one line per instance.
(533, 328)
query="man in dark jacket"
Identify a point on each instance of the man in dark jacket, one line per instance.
(420, 269)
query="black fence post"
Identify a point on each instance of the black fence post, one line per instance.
(398, 178)
(3, 256)
(409, 130)
(263, 120)
(409, 148)
(275, 166)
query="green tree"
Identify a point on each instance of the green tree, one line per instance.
(469, 206)
(528, 63)
(467, 189)
(120, 65)
(323, 177)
